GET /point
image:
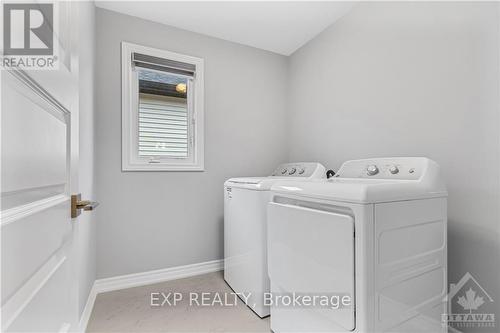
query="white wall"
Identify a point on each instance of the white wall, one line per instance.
(411, 79)
(153, 220)
(86, 222)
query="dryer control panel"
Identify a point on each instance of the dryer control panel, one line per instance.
(402, 168)
(300, 169)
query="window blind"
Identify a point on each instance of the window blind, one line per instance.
(163, 129)
(162, 64)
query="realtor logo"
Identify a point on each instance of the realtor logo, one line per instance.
(469, 305)
(28, 36)
(27, 29)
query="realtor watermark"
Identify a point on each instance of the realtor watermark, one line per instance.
(29, 36)
(469, 305)
(203, 299)
(332, 301)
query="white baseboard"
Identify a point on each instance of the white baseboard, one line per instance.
(87, 311)
(145, 278)
(160, 275)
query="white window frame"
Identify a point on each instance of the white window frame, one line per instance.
(131, 161)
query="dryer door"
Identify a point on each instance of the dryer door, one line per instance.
(312, 252)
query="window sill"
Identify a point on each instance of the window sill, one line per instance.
(159, 167)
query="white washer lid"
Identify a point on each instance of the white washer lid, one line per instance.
(257, 183)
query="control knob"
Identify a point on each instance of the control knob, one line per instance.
(372, 170)
(283, 171)
(292, 171)
(301, 171)
(394, 169)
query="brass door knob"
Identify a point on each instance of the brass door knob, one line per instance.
(77, 205)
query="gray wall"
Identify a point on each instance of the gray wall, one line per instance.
(153, 220)
(411, 79)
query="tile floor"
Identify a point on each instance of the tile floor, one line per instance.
(130, 310)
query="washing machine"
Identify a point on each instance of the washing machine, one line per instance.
(374, 234)
(245, 241)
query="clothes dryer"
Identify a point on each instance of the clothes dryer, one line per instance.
(375, 232)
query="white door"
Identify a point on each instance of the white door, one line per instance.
(39, 134)
(311, 252)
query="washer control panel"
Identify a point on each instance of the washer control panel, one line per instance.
(302, 169)
(403, 168)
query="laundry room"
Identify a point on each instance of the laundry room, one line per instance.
(250, 166)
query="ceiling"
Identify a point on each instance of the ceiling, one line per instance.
(281, 27)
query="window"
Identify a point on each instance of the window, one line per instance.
(162, 110)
